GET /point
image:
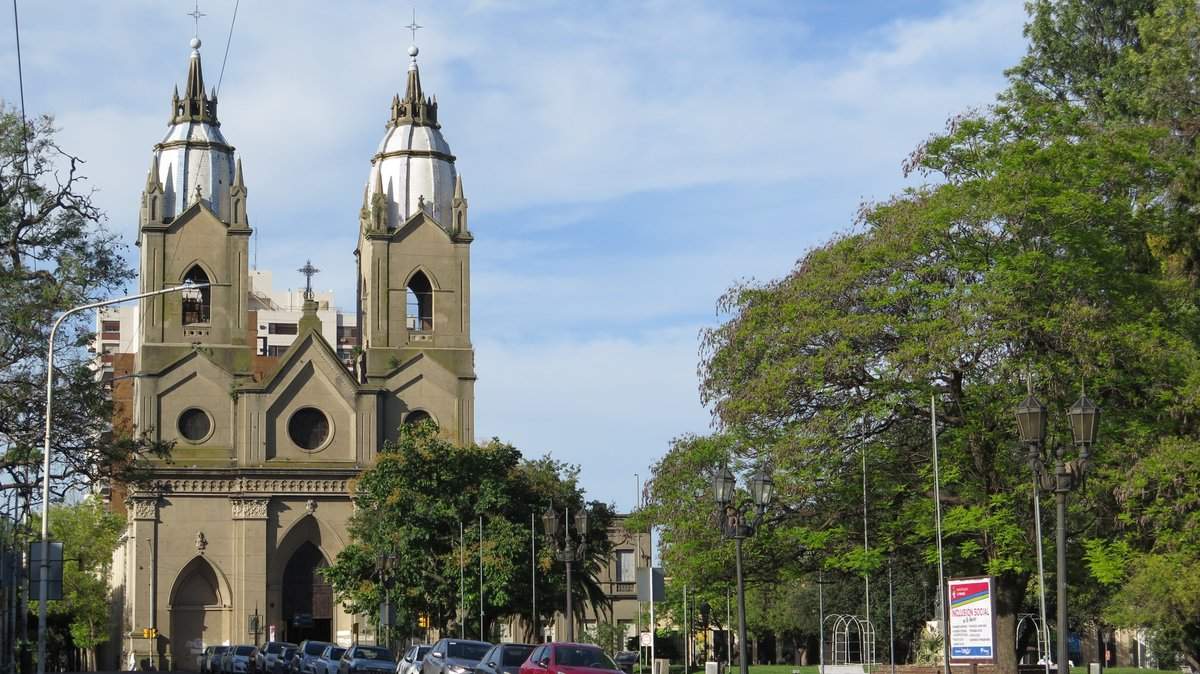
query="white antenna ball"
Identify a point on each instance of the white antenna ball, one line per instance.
(195, 43)
(412, 50)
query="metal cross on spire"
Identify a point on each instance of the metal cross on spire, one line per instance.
(196, 14)
(414, 26)
(309, 271)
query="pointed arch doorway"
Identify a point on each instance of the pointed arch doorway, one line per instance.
(307, 596)
(197, 613)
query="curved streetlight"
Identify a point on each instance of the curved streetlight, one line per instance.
(1084, 418)
(733, 525)
(44, 584)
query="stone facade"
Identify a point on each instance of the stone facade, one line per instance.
(256, 496)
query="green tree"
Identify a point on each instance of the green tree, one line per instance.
(410, 504)
(1055, 237)
(55, 253)
(89, 534)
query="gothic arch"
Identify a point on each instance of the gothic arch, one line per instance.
(199, 609)
(305, 530)
(420, 269)
(418, 301)
(306, 547)
(187, 268)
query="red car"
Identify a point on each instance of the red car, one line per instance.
(566, 658)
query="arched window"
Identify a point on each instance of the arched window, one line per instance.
(196, 301)
(419, 305)
(417, 416)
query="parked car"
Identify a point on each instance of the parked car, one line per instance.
(367, 660)
(454, 656)
(269, 653)
(626, 660)
(288, 661)
(411, 662)
(310, 652)
(567, 658)
(330, 657)
(213, 654)
(504, 659)
(241, 659)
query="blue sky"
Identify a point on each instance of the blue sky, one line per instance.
(625, 162)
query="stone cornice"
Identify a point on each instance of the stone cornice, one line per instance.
(295, 481)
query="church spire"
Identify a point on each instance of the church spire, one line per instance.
(196, 105)
(414, 108)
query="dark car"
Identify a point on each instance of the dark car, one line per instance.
(504, 659)
(287, 662)
(454, 656)
(411, 662)
(626, 660)
(213, 655)
(566, 658)
(367, 660)
(310, 652)
(269, 652)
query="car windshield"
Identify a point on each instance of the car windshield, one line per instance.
(515, 655)
(422, 651)
(314, 647)
(367, 653)
(336, 653)
(221, 649)
(243, 650)
(582, 656)
(467, 650)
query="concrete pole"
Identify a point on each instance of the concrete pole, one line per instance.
(743, 664)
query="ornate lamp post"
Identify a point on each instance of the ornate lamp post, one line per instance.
(1068, 474)
(733, 523)
(568, 548)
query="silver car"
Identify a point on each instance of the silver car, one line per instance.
(329, 659)
(411, 662)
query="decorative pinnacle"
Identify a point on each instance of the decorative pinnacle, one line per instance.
(309, 271)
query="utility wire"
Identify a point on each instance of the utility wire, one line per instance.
(21, 88)
(228, 40)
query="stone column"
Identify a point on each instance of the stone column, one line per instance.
(144, 586)
(249, 582)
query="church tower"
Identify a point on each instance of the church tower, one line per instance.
(414, 293)
(193, 228)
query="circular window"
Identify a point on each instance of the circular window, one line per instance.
(309, 428)
(418, 416)
(195, 425)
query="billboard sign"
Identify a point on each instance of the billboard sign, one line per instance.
(972, 620)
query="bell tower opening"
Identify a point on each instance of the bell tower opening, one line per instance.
(307, 596)
(197, 302)
(419, 303)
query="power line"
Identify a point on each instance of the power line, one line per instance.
(228, 40)
(21, 88)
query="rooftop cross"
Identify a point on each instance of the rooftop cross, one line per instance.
(196, 14)
(414, 26)
(308, 270)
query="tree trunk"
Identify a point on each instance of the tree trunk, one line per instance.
(1010, 594)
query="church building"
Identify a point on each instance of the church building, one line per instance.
(229, 534)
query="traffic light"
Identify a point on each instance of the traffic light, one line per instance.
(149, 632)
(422, 621)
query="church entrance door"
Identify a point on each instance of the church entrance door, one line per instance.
(197, 618)
(307, 596)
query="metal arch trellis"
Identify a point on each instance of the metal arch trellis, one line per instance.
(851, 639)
(1043, 644)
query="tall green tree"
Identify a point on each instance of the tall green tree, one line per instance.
(55, 253)
(1055, 239)
(410, 505)
(89, 534)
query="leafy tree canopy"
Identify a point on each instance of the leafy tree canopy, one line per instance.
(410, 505)
(1055, 238)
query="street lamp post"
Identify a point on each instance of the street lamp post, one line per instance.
(568, 548)
(384, 564)
(44, 584)
(1068, 474)
(733, 523)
